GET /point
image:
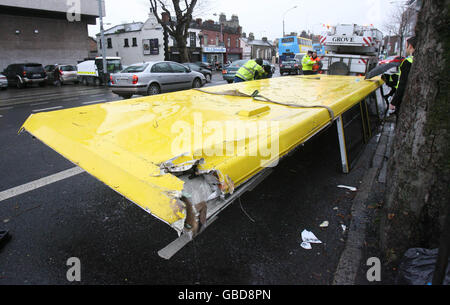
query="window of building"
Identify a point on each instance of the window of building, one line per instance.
(135, 42)
(193, 40)
(217, 40)
(205, 40)
(237, 43)
(109, 42)
(229, 42)
(126, 45)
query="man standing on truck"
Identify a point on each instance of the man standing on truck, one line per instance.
(307, 64)
(405, 68)
(250, 71)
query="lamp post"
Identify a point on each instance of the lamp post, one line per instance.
(284, 33)
(102, 33)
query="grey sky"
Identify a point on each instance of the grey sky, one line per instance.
(265, 17)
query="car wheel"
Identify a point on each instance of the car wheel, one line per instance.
(153, 89)
(230, 81)
(96, 82)
(197, 83)
(208, 78)
(84, 81)
(43, 84)
(125, 96)
(20, 85)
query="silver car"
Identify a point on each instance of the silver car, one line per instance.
(68, 73)
(152, 78)
(3, 82)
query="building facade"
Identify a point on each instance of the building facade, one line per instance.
(254, 48)
(134, 42)
(221, 40)
(40, 31)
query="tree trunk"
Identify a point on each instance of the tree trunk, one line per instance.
(418, 190)
(182, 48)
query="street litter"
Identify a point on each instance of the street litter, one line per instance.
(324, 224)
(344, 227)
(351, 188)
(335, 208)
(308, 239)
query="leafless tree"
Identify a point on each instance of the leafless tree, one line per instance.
(397, 24)
(177, 27)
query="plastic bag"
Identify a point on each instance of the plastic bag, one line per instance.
(417, 267)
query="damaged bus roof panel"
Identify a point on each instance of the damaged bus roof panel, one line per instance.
(137, 146)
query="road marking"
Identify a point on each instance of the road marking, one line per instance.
(6, 108)
(52, 108)
(87, 103)
(39, 104)
(97, 95)
(1, 116)
(31, 186)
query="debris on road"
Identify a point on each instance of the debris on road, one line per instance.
(308, 239)
(350, 188)
(344, 227)
(324, 224)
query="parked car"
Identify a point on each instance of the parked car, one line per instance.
(3, 82)
(22, 75)
(152, 78)
(391, 59)
(68, 73)
(206, 72)
(230, 71)
(290, 67)
(205, 65)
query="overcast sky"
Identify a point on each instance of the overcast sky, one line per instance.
(265, 17)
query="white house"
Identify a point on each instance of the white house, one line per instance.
(135, 42)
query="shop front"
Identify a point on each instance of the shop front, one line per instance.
(214, 55)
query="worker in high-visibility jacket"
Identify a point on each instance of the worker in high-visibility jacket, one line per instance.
(317, 63)
(250, 71)
(308, 63)
(405, 68)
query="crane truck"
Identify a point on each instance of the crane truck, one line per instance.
(351, 49)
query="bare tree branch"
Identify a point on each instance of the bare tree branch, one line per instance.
(178, 29)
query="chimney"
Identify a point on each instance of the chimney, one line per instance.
(251, 36)
(264, 39)
(244, 35)
(165, 17)
(222, 18)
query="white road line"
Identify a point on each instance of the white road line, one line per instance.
(39, 104)
(28, 187)
(97, 95)
(1, 116)
(6, 108)
(87, 103)
(52, 108)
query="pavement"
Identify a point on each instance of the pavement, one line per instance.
(256, 240)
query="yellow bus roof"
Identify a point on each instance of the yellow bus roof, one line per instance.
(124, 143)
